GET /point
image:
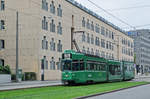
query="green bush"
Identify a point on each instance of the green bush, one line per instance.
(23, 77)
(5, 70)
(30, 76)
(13, 77)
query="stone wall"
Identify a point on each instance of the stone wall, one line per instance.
(5, 78)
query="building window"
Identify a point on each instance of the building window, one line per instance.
(52, 64)
(112, 56)
(110, 45)
(2, 44)
(88, 51)
(107, 45)
(97, 42)
(52, 26)
(1, 62)
(83, 50)
(113, 35)
(59, 11)
(88, 38)
(110, 34)
(107, 56)
(83, 22)
(2, 24)
(92, 39)
(44, 5)
(92, 26)
(102, 30)
(59, 28)
(52, 7)
(103, 54)
(88, 24)
(97, 53)
(106, 33)
(52, 45)
(59, 46)
(44, 24)
(59, 64)
(132, 45)
(92, 51)
(2, 7)
(129, 43)
(97, 29)
(103, 43)
(44, 63)
(44, 43)
(83, 37)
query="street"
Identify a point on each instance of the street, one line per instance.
(141, 92)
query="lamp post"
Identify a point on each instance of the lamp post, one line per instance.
(17, 54)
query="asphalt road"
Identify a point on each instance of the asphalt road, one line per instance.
(141, 92)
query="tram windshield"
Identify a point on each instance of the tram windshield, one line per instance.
(66, 65)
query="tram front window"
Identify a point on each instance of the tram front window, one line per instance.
(66, 65)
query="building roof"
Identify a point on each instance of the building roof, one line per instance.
(73, 2)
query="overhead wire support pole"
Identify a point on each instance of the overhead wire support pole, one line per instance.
(73, 41)
(17, 39)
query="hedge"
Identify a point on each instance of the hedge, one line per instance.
(5, 70)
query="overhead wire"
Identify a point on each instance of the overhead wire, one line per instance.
(127, 8)
(111, 14)
(138, 26)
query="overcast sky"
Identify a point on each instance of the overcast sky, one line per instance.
(133, 16)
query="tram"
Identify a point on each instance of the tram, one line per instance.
(79, 68)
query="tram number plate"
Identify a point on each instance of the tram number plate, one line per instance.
(89, 75)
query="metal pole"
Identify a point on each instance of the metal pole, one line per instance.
(72, 32)
(17, 57)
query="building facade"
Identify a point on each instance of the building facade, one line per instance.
(141, 48)
(45, 32)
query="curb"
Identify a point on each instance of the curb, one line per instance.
(83, 97)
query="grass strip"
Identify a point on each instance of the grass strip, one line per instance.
(66, 92)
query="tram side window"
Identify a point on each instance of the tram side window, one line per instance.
(95, 67)
(115, 70)
(118, 70)
(82, 66)
(102, 67)
(88, 66)
(91, 66)
(78, 65)
(112, 70)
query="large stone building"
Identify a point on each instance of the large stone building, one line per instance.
(142, 49)
(45, 32)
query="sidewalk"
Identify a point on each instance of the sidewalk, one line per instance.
(28, 84)
(142, 76)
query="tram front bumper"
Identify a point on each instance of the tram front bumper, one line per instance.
(67, 77)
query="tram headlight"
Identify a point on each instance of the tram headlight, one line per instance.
(73, 75)
(67, 75)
